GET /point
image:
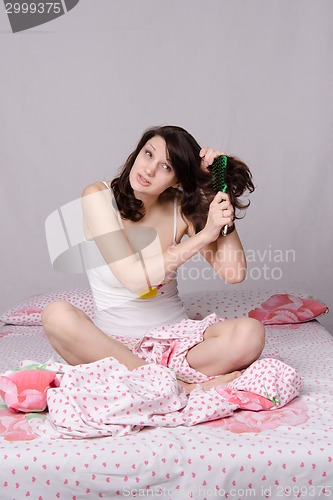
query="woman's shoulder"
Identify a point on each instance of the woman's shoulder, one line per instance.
(95, 187)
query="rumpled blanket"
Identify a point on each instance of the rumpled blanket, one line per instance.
(104, 398)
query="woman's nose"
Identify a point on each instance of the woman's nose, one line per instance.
(150, 170)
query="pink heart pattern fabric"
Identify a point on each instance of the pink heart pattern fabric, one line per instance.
(106, 399)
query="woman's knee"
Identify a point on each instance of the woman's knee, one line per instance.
(53, 313)
(251, 338)
(255, 331)
(60, 319)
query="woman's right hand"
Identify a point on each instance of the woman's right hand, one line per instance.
(208, 155)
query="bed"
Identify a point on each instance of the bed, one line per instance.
(285, 452)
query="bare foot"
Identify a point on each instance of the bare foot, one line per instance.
(220, 381)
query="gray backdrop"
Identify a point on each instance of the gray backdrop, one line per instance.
(250, 76)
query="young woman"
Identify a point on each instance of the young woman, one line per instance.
(137, 222)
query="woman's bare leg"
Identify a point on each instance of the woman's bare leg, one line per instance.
(78, 340)
(228, 346)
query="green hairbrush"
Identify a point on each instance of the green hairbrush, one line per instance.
(219, 167)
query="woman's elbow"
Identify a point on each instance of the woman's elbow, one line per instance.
(137, 287)
(132, 285)
(233, 276)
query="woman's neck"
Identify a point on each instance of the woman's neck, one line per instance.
(149, 202)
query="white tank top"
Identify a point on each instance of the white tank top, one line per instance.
(119, 311)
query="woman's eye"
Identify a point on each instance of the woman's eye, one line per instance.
(148, 153)
(165, 166)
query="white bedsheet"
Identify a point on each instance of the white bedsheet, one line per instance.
(285, 453)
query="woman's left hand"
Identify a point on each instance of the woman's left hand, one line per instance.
(220, 213)
(207, 156)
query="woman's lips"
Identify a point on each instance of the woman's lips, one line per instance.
(142, 180)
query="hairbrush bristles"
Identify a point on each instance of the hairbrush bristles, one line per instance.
(219, 168)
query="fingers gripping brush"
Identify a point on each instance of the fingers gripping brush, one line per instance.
(219, 167)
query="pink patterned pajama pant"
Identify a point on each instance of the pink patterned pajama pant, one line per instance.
(169, 345)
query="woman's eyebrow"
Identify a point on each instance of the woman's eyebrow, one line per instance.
(167, 159)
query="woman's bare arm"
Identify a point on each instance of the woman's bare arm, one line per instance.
(132, 267)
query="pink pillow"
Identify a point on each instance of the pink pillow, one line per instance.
(282, 309)
(28, 312)
(26, 389)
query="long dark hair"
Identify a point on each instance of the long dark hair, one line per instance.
(196, 184)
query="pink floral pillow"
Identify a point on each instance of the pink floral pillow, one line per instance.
(28, 312)
(283, 308)
(26, 389)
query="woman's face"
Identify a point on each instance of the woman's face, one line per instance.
(152, 172)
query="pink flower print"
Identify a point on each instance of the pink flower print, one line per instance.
(285, 309)
(28, 310)
(25, 390)
(14, 427)
(294, 413)
(245, 400)
(4, 334)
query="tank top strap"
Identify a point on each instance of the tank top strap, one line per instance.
(174, 220)
(107, 185)
(114, 203)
